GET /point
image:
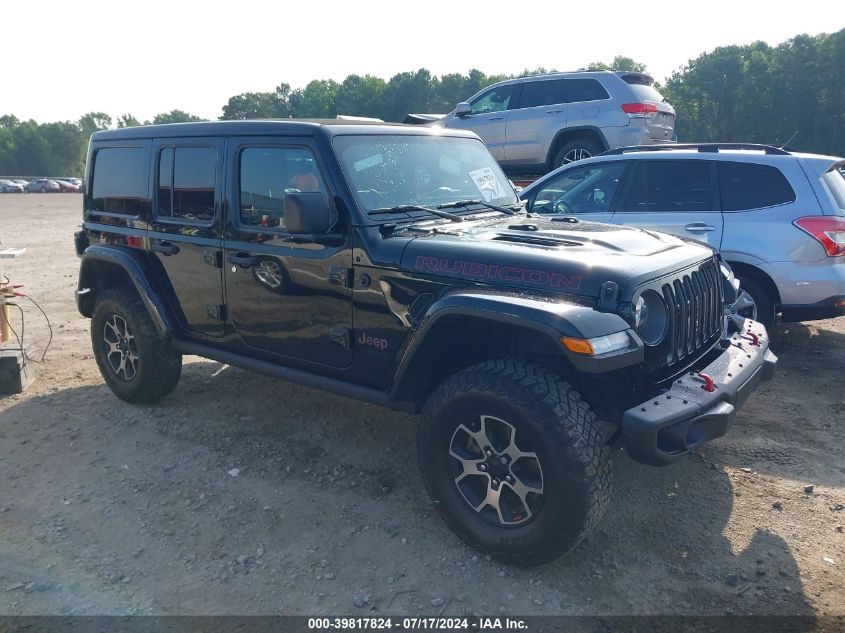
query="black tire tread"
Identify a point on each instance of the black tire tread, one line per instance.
(530, 386)
(159, 354)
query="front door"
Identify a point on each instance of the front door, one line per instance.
(488, 118)
(285, 295)
(674, 196)
(185, 230)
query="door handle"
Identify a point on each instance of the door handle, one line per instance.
(495, 118)
(165, 248)
(553, 111)
(242, 259)
(699, 227)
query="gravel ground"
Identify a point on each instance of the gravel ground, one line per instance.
(241, 494)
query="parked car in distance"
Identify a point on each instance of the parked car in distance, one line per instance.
(70, 179)
(535, 124)
(67, 186)
(43, 185)
(10, 186)
(778, 217)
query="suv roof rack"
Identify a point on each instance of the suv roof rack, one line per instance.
(701, 147)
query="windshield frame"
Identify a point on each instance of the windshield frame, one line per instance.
(361, 210)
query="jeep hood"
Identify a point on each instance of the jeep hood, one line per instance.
(569, 256)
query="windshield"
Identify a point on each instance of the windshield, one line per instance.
(386, 171)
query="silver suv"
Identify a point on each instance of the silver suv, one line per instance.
(535, 124)
(777, 217)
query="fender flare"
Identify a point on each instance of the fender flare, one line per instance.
(551, 319)
(138, 272)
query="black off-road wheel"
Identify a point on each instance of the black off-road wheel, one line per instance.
(760, 307)
(575, 150)
(137, 363)
(514, 460)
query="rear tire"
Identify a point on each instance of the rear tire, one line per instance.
(546, 451)
(575, 150)
(137, 363)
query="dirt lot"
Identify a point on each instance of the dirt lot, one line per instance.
(109, 508)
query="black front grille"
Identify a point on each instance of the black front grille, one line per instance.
(694, 303)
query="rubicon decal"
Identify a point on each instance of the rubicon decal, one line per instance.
(494, 272)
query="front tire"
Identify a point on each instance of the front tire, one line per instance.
(137, 363)
(514, 460)
(763, 309)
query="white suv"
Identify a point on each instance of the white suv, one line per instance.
(777, 217)
(534, 124)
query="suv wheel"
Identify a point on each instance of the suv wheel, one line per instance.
(137, 363)
(760, 307)
(579, 149)
(514, 460)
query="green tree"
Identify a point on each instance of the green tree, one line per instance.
(406, 93)
(175, 116)
(93, 121)
(251, 105)
(361, 96)
(127, 120)
(318, 99)
(620, 62)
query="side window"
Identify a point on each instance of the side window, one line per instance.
(120, 181)
(671, 185)
(496, 100)
(186, 181)
(267, 174)
(541, 93)
(746, 186)
(576, 90)
(588, 189)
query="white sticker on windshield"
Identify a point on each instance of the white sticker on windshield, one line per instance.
(366, 163)
(487, 183)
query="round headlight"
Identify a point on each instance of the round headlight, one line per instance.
(650, 318)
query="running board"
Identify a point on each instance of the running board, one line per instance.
(333, 385)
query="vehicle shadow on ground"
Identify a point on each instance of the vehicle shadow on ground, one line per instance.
(785, 429)
(668, 544)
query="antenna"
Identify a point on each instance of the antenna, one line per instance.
(790, 139)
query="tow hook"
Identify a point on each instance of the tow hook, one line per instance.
(709, 385)
(755, 340)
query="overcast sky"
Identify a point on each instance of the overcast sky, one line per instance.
(62, 59)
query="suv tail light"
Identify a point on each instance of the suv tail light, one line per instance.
(640, 110)
(829, 230)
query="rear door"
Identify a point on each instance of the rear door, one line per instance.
(287, 295)
(680, 197)
(185, 229)
(488, 117)
(531, 126)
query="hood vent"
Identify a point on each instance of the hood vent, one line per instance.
(535, 240)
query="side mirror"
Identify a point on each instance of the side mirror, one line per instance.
(308, 213)
(463, 108)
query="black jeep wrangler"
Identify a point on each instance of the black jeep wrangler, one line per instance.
(396, 265)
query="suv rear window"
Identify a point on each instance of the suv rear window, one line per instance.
(745, 186)
(119, 181)
(576, 90)
(645, 93)
(541, 93)
(835, 181)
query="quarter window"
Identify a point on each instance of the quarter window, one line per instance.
(120, 181)
(186, 183)
(672, 185)
(496, 100)
(745, 186)
(267, 175)
(577, 90)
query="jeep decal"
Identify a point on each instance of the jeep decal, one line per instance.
(512, 274)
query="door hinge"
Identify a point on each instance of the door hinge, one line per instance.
(341, 335)
(340, 276)
(213, 257)
(216, 312)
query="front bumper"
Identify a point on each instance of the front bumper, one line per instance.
(687, 415)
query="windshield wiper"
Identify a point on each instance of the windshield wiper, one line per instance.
(460, 204)
(401, 208)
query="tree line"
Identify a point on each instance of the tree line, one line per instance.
(752, 93)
